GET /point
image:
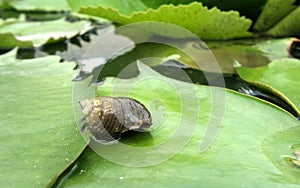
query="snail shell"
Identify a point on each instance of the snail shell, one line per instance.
(109, 117)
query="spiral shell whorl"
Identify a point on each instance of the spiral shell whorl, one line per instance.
(109, 117)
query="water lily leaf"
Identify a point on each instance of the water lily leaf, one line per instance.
(38, 131)
(248, 8)
(205, 23)
(25, 34)
(280, 76)
(157, 3)
(274, 11)
(289, 26)
(36, 5)
(279, 19)
(125, 7)
(235, 154)
(273, 48)
(280, 150)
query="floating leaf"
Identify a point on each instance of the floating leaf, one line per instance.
(289, 26)
(279, 18)
(37, 129)
(25, 34)
(204, 22)
(235, 155)
(279, 148)
(280, 76)
(273, 12)
(37, 5)
(248, 8)
(274, 48)
(124, 6)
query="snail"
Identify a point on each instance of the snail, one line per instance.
(108, 117)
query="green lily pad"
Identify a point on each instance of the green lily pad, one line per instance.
(289, 26)
(38, 131)
(235, 155)
(280, 149)
(273, 48)
(280, 76)
(248, 8)
(273, 12)
(124, 6)
(37, 5)
(27, 34)
(154, 4)
(205, 23)
(279, 19)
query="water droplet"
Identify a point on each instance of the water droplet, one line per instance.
(82, 171)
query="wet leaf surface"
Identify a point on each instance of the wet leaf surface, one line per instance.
(18, 32)
(38, 131)
(280, 76)
(273, 12)
(236, 153)
(205, 23)
(37, 5)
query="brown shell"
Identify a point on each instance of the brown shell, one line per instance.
(109, 117)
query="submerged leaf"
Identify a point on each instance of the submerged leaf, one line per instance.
(235, 154)
(280, 76)
(25, 34)
(205, 23)
(37, 129)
